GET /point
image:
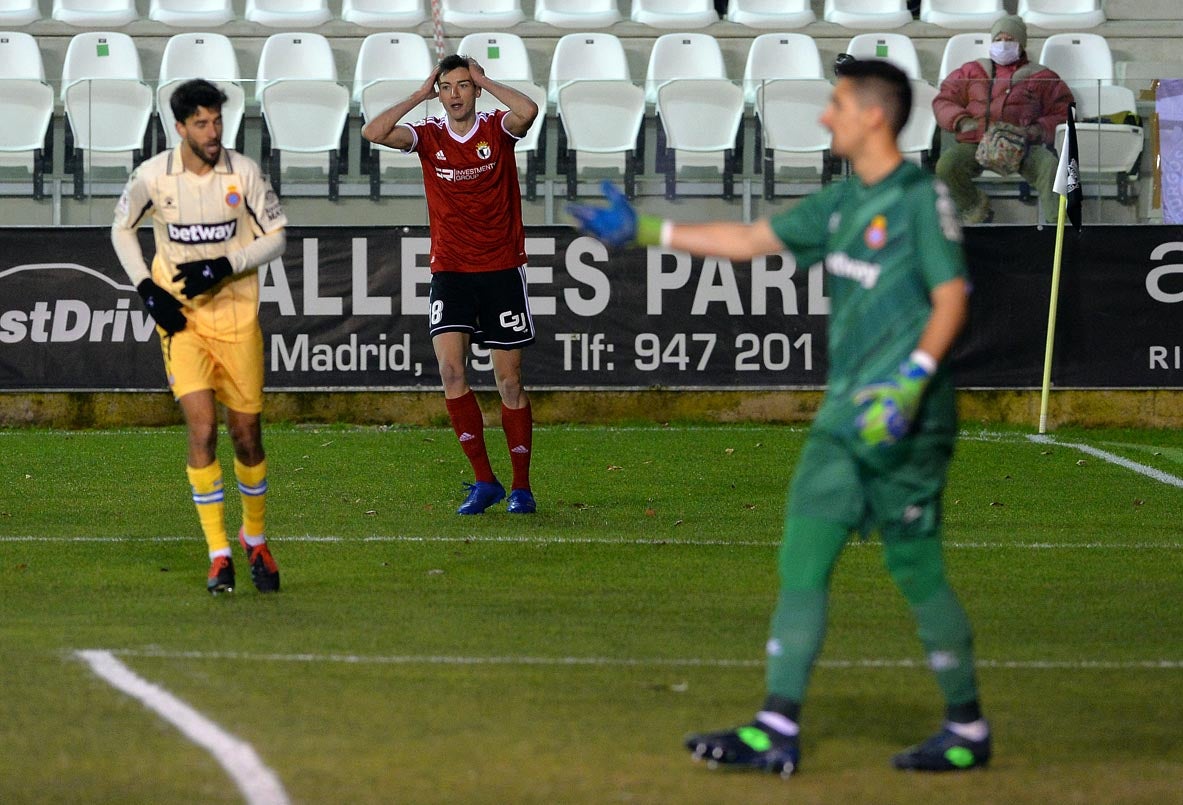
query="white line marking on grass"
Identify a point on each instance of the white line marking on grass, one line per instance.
(664, 662)
(1141, 469)
(656, 543)
(258, 784)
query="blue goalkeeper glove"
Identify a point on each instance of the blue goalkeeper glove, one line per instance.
(888, 409)
(617, 224)
(199, 276)
(162, 306)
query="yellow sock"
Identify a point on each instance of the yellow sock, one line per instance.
(252, 483)
(207, 497)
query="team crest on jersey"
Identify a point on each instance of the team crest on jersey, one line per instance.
(233, 197)
(875, 235)
(835, 220)
(483, 150)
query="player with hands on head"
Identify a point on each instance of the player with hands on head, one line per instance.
(215, 220)
(478, 257)
(878, 451)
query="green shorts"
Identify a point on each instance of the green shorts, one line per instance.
(894, 490)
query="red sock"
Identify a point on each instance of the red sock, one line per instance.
(518, 424)
(469, 426)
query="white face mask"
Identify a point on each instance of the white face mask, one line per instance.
(1004, 52)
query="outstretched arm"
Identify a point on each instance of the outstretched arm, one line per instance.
(619, 225)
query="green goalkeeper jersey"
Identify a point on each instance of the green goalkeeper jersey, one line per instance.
(884, 248)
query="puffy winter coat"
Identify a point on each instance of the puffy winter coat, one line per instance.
(1038, 96)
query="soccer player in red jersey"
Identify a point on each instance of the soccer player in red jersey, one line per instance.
(478, 256)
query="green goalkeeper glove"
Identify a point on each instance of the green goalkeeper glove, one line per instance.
(888, 409)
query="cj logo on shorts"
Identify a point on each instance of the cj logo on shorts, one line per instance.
(513, 321)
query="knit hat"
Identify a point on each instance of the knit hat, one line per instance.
(1012, 25)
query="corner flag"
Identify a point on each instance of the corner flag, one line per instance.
(1067, 185)
(1068, 172)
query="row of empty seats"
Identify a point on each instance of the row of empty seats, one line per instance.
(581, 14)
(700, 110)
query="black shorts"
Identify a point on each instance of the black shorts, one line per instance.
(491, 306)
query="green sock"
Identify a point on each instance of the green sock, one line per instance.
(798, 628)
(948, 641)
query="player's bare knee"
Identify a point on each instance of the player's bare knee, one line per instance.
(511, 391)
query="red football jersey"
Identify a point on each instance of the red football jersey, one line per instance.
(474, 206)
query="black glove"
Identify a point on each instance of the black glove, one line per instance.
(201, 275)
(162, 306)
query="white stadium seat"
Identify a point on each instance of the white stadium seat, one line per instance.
(696, 61)
(95, 13)
(386, 14)
(895, 48)
(675, 15)
(701, 119)
(288, 13)
(962, 48)
(201, 55)
(1070, 15)
(600, 122)
(305, 110)
(486, 14)
(15, 13)
(601, 127)
(191, 13)
(963, 14)
(579, 14)
(776, 56)
(27, 101)
(775, 14)
(916, 139)
(108, 105)
(874, 14)
(390, 67)
(789, 111)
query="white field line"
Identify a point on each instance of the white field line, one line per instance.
(708, 543)
(642, 662)
(1141, 469)
(258, 784)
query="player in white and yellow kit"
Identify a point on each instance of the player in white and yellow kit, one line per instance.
(216, 220)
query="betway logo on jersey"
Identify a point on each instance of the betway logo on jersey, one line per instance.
(465, 174)
(202, 233)
(841, 264)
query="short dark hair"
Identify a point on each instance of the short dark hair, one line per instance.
(194, 93)
(449, 63)
(882, 83)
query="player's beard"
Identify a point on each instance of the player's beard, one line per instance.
(203, 154)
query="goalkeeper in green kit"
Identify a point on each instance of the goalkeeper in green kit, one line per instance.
(879, 448)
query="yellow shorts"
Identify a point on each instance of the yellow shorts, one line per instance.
(232, 369)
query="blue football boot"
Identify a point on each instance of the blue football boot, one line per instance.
(945, 751)
(521, 501)
(753, 746)
(481, 495)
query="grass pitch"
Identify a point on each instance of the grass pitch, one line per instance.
(418, 656)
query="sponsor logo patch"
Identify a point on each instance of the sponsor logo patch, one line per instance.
(202, 233)
(875, 235)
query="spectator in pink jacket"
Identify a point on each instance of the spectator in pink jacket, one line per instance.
(1008, 88)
